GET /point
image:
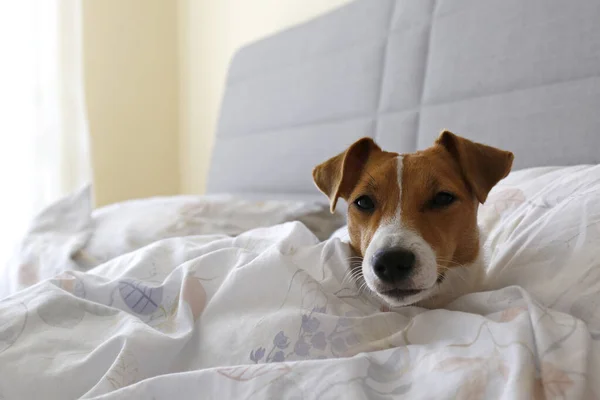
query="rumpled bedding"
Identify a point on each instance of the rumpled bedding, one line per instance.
(70, 235)
(273, 313)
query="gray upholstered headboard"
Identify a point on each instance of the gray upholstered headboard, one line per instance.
(521, 75)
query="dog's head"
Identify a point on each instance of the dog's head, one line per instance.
(413, 217)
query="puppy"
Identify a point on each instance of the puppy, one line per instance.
(413, 217)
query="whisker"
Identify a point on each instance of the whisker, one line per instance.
(455, 272)
(462, 278)
(357, 261)
(348, 278)
(352, 274)
(459, 274)
(369, 180)
(357, 277)
(362, 287)
(452, 262)
(347, 275)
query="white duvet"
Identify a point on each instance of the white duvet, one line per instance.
(272, 314)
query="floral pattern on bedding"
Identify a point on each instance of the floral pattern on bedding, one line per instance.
(271, 314)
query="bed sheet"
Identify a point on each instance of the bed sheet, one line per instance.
(272, 313)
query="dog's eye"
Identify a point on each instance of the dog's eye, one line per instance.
(365, 203)
(442, 199)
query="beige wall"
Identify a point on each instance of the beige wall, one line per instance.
(210, 32)
(131, 80)
(154, 73)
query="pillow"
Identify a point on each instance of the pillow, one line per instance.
(542, 228)
(68, 235)
(130, 225)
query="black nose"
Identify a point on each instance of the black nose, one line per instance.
(392, 265)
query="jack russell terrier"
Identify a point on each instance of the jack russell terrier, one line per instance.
(412, 218)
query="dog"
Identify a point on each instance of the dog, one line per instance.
(412, 218)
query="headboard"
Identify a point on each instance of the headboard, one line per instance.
(520, 75)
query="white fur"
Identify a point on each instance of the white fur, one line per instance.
(458, 282)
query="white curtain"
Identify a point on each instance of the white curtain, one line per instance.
(43, 127)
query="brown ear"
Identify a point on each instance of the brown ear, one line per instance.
(482, 166)
(337, 176)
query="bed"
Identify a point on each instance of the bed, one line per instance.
(245, 292)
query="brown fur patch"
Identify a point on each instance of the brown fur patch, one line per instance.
(379, 181)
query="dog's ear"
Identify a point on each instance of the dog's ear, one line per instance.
(482, 166)
(337, 176)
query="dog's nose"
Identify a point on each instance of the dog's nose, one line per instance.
(392, 265)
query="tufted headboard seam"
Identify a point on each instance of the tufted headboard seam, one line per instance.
(524, 76)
